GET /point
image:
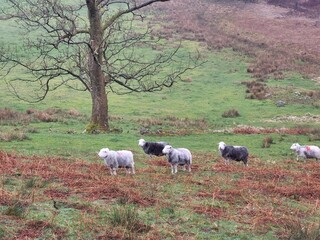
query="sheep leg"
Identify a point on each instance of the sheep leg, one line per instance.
(189, 168)
(114, 171)
(175, 168)
(245, 161)
(226, 161)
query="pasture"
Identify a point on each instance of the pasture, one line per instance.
(54, 186)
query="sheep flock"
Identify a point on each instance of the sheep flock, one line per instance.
(183, 157)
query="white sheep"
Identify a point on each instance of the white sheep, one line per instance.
(117, 159)
(236, 153)
(178, 156)
(306, 151)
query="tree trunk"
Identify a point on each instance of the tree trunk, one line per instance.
(99, 115)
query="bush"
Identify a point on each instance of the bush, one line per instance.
(314, 135)
(267, 141)
(127, 217)
(124, 216)
(256, 90)
(10, 117)
(231, 113)
(13, 136)
(17, 209)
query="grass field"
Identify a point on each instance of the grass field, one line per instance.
(54, 186)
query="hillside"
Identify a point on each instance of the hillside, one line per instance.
(309, 8)
(277, 35)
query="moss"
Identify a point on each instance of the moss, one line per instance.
(93, 128)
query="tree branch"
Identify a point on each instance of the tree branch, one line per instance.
(129, 10)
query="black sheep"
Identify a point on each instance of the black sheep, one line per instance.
(236, 153)
(152, 148)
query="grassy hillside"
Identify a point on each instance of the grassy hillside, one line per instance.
(190, 109)
(53, 184)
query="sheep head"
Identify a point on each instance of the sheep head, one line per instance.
(222, 145)
(103, 152)
(295, 146)
(167, 149)
(142, 142)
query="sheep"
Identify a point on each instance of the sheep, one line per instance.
(236, 153)
(152, 148)
(178, 156)
(306, 151)
(117, 159)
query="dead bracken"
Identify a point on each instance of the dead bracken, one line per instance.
(257, 196)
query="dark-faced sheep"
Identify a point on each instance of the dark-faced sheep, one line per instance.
(152, 148)
(306, 151)
(117, 159)
(178, 156)
(236, 153)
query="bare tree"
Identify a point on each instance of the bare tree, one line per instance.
(92, 42)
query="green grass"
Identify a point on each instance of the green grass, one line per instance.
(214, 88)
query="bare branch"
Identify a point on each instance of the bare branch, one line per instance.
(129, 10)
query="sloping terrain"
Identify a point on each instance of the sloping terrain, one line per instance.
(278, 38)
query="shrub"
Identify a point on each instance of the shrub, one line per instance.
(17, 209)
(55, 115)
(13, 136)
(30, 183)
(231, 113)
(188, 79)
(313, 94)
(127, 217)
(256, 90)
(314, 135)
(267, 141)
(10, 117)
(45, 117)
